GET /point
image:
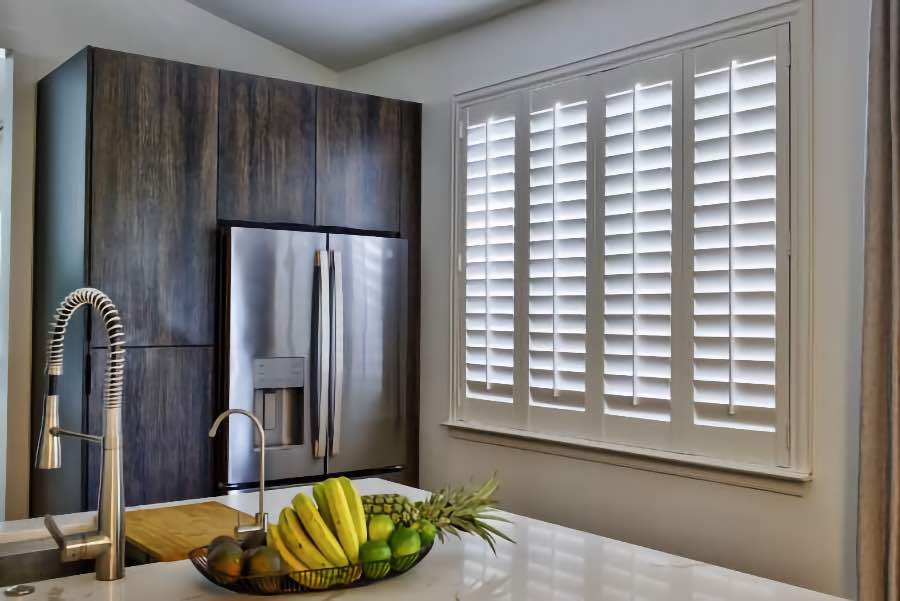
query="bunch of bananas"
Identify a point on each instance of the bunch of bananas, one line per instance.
(326, 533)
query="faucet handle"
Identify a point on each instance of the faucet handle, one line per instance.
(261, 524)
(82, 545)
(55, 531)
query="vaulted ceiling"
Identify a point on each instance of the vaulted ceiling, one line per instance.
(341, 34)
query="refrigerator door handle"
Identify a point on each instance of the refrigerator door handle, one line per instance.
(324, 352)
(337, 350)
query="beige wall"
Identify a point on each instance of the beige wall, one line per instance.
(43, 33)
(806, 540)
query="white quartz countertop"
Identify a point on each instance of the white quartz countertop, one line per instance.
(547, 562)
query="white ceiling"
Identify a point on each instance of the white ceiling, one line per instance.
(345, 33)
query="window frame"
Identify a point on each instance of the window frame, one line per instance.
(794, 462)
(6, 168)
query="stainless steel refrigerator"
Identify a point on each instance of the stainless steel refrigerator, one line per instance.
(315, 343)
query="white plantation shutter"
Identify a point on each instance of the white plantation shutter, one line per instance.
(626, 254)
(640, 147)
(557, 324)
(489, 225)
(737, 243)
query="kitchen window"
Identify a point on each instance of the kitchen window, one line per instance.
(624, 263)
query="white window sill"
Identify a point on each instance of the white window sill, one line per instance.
(780, 480)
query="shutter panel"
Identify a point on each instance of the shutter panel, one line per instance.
(637, 249)
(489, 224)
(557, 255)
(735, 242)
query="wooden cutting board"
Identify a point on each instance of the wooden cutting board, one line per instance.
(169, 533)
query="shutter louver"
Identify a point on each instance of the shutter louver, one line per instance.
(734, 235)
(490, 196)
(637, 281)
(557, 255)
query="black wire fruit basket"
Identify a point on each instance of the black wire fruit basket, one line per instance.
(310, 580)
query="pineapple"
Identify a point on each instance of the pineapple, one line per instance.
(401, 509)
(451, 510)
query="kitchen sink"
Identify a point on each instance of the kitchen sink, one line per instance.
(38, 559)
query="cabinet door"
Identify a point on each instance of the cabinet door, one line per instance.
(357, 161)
(267, 156)
(153, 196)
(167, 411)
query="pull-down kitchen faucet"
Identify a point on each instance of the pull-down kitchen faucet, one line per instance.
(107, 544)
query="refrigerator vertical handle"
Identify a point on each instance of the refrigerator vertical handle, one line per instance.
(337, 350)
(323, 352)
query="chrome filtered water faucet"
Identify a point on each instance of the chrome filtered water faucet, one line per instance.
(106, 545)
(262, 519)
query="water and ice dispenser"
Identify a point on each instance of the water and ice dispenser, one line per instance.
(278, 385)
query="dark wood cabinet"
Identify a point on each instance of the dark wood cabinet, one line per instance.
(358, 156)
(267, 150)
(410, 228)
(153, 196)
(166, 417)
(126, 202)
(138, 160)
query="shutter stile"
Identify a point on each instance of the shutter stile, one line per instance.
(557, 256)
(489, 238)
(637, 286)
(734, 245)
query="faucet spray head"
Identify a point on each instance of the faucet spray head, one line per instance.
(49, 453)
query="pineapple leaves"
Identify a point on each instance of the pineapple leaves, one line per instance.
(459, 510)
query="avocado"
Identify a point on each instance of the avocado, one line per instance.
(221, 539)
(224, 559)
(262, 561)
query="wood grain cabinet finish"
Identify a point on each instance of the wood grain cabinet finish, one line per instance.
(357, 161)
(166, 416)
(410, 229)
(153, 188)
(267, 150)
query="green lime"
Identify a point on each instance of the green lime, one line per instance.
(405, 545)
(375, 556)
(374, 550)
(426, 531)
(381, 527)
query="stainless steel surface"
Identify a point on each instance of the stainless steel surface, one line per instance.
(107, 544)
(19, 590)
(49, 452)
(279, 372)
(337, 350)
(262, 519)
(272, 318)
(338, 305)
(35, 560)
(324, 351)
(280, 413)
(39, 559)
(78, 546)
(371, 419)
(78, 435)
